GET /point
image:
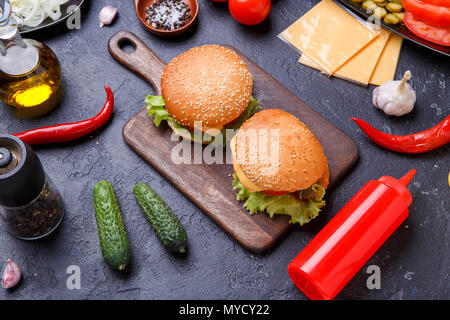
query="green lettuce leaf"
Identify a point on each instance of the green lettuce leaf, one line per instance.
(156, 107)
(301, 211)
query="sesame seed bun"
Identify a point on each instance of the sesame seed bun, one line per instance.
(209, 84)
(325, 179)
(277, 152)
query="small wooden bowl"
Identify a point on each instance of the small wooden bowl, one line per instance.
(141, 5)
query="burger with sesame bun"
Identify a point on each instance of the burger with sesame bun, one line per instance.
(280, 167)
(205, 90)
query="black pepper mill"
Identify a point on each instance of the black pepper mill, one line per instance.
(30, 204)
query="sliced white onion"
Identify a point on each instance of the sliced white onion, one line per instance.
(34, 12)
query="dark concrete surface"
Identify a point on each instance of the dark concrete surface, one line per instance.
(414, 262)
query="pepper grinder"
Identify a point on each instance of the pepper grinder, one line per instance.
(30, 204)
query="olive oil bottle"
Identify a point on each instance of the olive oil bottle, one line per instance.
(30, 73)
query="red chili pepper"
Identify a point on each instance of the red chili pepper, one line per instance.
(419, 142)
(70, 131)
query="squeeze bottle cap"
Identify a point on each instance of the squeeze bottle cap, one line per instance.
(400, 185)
(351, 238)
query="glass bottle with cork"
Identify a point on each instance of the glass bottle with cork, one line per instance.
(30, 73)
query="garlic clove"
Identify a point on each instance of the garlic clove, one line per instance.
(395, 98)
(107, 15)
(11, 275)
(406, 77)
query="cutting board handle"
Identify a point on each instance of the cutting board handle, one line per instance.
(142, 60)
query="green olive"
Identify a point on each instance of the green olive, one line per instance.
(379, 13)
(391, 19)
(394, 7)
(369, 5)
(396, 1)
(382, 4)
(399, 15)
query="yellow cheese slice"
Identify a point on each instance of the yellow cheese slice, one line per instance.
(360, 67)
(245, 181)
(329, 35)
(387, 64)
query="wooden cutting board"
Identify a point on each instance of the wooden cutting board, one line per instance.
(209, 186)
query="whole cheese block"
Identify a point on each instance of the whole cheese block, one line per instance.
(329, 35)
(361, 66)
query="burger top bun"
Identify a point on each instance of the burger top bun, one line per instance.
(325, 179)
(210, 84)
(277, 152)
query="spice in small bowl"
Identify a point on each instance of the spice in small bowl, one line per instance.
(167, 18)
(168, 14)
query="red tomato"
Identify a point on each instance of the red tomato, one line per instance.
(439, 35)
(249, 12)
(442, 3)
(429, 13)
(274, 193)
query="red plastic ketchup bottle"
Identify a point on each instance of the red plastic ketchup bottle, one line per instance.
(348, 241)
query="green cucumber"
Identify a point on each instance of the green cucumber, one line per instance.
(167, 226)
(111, 231)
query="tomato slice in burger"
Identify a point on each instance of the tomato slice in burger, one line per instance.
(429, 13)
(439, 35)
(274, 193)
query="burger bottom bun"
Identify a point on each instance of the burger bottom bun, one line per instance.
(185, 134)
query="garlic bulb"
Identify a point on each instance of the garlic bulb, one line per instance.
(395, 98)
